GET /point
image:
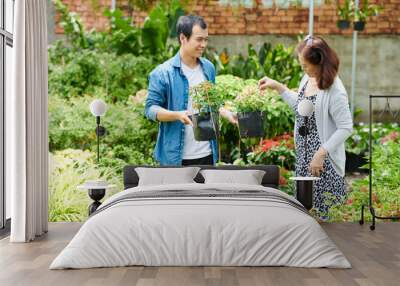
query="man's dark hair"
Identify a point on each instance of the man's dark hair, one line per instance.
(186, 23)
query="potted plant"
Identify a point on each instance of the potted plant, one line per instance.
(344, 13)
(364, 11)
(357, 148)
(248, 105)
(206, 102)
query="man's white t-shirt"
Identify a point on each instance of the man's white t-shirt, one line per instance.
(194, 149)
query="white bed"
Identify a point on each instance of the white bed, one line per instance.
(271, 229)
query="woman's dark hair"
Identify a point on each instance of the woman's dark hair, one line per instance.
(317, 52)
(186, 23)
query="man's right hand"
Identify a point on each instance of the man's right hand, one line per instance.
(183, 117)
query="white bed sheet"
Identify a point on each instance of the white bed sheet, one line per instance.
(200, 232)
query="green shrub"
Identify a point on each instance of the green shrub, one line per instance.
(276, 151)
(68, 169)
(116, 61)
(279, 63)
(385, 182)
(205, 97)
(250, 99)
(130, 136)
(279, 118)
(90, 72)
(358, 143)
(229, 86)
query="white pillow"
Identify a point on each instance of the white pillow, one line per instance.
(166, 176)
(249, 177)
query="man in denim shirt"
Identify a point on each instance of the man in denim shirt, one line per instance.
(168, 99)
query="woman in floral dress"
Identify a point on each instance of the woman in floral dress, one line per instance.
(327, 128)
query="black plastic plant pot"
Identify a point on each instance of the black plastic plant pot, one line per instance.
(354, 162)
(343, 24)
(359, 25)
(304, 193)
(205, 126)
(251, 124)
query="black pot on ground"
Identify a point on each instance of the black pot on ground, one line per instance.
(359, 25)
(343, 24)
(304, 193)
(354, 162)
(205, 126)
(251, 124)
(304, 190)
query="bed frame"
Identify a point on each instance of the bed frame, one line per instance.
(270, 179)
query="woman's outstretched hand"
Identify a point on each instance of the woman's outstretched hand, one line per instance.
(267, 82)
(229, 115)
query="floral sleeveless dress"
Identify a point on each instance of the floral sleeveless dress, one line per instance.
(331, 188)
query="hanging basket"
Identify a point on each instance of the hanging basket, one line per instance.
(359, 26)
(251, 124)
(343, 24)
(205, 126)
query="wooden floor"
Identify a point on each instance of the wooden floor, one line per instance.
(375, 257)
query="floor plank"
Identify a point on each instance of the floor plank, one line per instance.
(374, 255)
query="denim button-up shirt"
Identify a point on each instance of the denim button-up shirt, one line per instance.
(169, 89)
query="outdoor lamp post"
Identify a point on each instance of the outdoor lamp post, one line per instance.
(98, 108)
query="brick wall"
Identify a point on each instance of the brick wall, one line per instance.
(224, 20)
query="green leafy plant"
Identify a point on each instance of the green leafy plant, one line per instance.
(68, 169)
(358, 143)
(205, 97)
(366, 10)
(73, 28)
(278, 62)
(279, 117)
(385, 184)
(277, 151)
(249, 99)
(121, 38)
(130, 136)
(287, 185)
(229, 86)
(118, 60)
(344, 11)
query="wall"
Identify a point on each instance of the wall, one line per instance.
(253, 17)
(378, 59)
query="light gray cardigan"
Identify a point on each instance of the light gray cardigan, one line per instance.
(333, 119)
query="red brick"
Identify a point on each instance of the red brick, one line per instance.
(274, 19)
(383, 25)
(221, 20)
(268, 12)
(226, 20)
(198, 8)
(281, 12)
(241, 25)
(251, 17)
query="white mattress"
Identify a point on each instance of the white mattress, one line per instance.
(192, 231)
